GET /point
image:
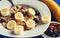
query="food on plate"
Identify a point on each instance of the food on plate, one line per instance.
(36, 20)
(45, 18)
(3, 19)
(11, 24)
(30, 23)
(21, 18)
(18, 6)
(19, 29)
(21, 23)
(53, 30)
(31, 12)
(5, 12)
(12, 10)
(4, 24)
(55, 9)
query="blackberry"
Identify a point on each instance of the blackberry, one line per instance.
(36, 20)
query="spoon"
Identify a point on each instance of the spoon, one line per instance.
(11, 2)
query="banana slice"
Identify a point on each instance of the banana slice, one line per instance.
(5, 12)
(19, 29)
(31, 11)
(19, 16)
(45, 19)
(11, 24)
(30, 23)
(54, 7)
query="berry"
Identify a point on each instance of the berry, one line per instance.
(36, 20)
(37, 13)
(3, 20)
(12, 15)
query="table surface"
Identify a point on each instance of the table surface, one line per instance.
(57, 1)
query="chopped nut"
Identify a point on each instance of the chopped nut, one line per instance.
(12, 10)
(23, 10)
(26, 9)
(21, 23)
(4, 24)
(26, 18)
(18, 7)
(17, 10)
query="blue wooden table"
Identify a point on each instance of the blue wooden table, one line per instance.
(1, 36)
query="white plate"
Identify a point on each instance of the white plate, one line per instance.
(4, 4)
(42, 8)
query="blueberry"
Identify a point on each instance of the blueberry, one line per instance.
(57, 35)
(55, 31)
(52, 32)
(54, 35)
(37, 13)
(49, 32)
(36, 20)
(50, 29)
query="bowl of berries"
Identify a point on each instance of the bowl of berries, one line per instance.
(53, 30)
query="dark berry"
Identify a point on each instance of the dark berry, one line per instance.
(3, 20)
(49, 32)
(55, 31)
(36, 20)
(37, 13)
(0, 14)
(57, 35)
(12, 15)
(25, 14)
(52, 32)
